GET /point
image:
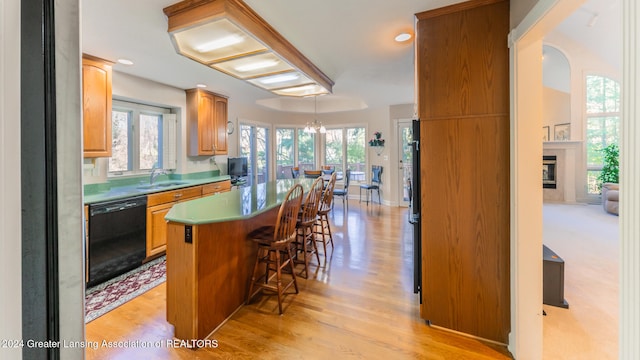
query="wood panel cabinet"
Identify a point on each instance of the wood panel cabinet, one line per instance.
(158, 205)
(206, 123)
(221, 125)
(463, 103)
(96, 105)
(216, 187)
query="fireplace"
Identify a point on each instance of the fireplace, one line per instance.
(549, 171)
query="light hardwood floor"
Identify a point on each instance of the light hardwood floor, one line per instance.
(359, 305)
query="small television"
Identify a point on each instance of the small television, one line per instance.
(237, 168)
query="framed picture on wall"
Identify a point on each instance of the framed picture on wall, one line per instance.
(545, 133)
(562, 132)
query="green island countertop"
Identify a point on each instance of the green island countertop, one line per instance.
(243, 203)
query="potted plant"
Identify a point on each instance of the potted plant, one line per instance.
(609, 173)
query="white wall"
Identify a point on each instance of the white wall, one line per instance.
(10, 223)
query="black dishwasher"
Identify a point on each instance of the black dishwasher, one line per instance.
(117, 237)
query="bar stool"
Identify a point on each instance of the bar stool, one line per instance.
(322, 221)
(274, 243)
(305, 243)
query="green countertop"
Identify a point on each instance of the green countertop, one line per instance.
(123, 192)
(237, 204)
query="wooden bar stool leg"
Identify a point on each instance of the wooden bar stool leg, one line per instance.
(278, 281)
(329, 229)
(291, 265)
(253, 277)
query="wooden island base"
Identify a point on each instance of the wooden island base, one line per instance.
(208, 279)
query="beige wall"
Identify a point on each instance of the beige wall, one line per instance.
(556, 108)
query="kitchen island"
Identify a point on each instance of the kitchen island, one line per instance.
(209, 258)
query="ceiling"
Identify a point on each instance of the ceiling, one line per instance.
(350, 41)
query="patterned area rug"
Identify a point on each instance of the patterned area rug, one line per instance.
(107, 296)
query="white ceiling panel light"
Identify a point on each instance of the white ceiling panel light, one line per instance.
(228, 36)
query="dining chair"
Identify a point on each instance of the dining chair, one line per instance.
(295, 172)
(376, 179)
(344, 191)
(328, 169)
(312, 174)
(274, 249)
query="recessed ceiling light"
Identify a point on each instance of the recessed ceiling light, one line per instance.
(201, 86)
(402, 37)
(125, 61)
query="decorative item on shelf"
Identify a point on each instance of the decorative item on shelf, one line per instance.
(315, 126)
(377, 142)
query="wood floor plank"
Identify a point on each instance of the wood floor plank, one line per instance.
(359, 305)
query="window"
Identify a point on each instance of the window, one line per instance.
(603, 124)
(284, 153)
(294, 147)
(333, 149)
(345, 149)
(306, 150)
(254, 142)
(138, 138)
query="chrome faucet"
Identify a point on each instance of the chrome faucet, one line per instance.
(155, 172)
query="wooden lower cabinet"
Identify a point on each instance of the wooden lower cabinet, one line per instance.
(159, 204)
(157, 229)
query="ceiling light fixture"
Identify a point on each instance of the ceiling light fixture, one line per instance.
(279, 78)
(201, 86)
(402, 37)
(125, 62)
(315, 126)
(219, 43)
(228, 36)
(256, 65)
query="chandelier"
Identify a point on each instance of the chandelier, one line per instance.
(315, 126)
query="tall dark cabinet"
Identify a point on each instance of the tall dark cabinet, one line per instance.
(462, 62)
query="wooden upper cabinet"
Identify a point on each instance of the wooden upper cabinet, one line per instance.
(206, 123)
(96, 105)
(466, 75)
(221, 125)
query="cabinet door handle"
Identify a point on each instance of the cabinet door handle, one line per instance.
(175, 196)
